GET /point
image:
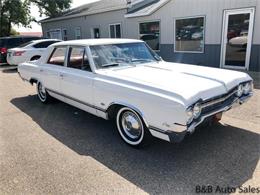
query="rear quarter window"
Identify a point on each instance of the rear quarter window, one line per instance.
(44, 44)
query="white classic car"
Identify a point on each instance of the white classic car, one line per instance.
(125, 80)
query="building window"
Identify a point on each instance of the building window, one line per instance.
(189, 35)
(150, 33)
(64, 34)
(115, 30)
(54, 34)
(78, 33)
(48, 35)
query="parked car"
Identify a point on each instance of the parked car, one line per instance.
(152, 40)
(197, 35)
(11, 42)
(125, 80)
(240, 41)
(29, 51)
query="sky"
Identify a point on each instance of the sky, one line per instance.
(35, 27)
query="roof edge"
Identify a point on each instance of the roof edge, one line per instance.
(115, 8)
(160, 4)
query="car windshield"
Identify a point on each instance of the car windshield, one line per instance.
(125, 54)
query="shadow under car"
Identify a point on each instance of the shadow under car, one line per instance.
(217, 155)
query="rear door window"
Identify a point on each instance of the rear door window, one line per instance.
(78, 59)
(58, 56)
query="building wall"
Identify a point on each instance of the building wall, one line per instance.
(213, 11)
(87, 23)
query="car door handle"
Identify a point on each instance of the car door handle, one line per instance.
(41, 70)
(62, 75)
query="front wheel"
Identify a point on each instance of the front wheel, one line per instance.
(131, 127)
(43, 95)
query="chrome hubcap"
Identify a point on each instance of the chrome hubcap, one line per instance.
(131, 125)
(42, 91)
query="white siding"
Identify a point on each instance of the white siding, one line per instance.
(211, 9)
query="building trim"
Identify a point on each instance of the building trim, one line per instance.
(81, 15)
(149, 12)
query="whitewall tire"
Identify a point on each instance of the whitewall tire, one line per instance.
(130, 126)
(43, 95)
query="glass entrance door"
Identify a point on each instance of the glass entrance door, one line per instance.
(237, 38)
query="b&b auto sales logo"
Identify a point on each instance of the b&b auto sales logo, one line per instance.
(201, 189)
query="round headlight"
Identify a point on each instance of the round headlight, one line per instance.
(240, 90)
(196, 110)
(247, 88)
(189, 112)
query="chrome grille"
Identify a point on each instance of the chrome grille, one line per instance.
(218, 102)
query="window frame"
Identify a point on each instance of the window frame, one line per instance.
(160, 29)
(121, 31)
(204, 34)
(75, 31)
(69, 48)
(48, 32)
(65, 57)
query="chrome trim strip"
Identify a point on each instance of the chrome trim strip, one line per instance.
(179, 128)
(160, 135)
(76, 100)
(218, 100)
(156, 129)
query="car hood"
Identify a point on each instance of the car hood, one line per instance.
(189, 83)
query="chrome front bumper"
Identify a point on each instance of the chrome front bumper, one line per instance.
(179, 132)
(235, 103)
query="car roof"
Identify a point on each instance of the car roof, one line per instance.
(87, 42)
(44, 40)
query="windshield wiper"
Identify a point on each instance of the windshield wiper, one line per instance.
(110, 65)
(141, 60)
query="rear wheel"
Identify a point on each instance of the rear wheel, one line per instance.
(131, 127)
(43, 95)
(35, 58)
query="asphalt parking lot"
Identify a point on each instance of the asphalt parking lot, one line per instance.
(58, 149)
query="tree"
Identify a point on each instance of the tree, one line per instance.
(14, 12)
(17, 12)
(52, 8)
